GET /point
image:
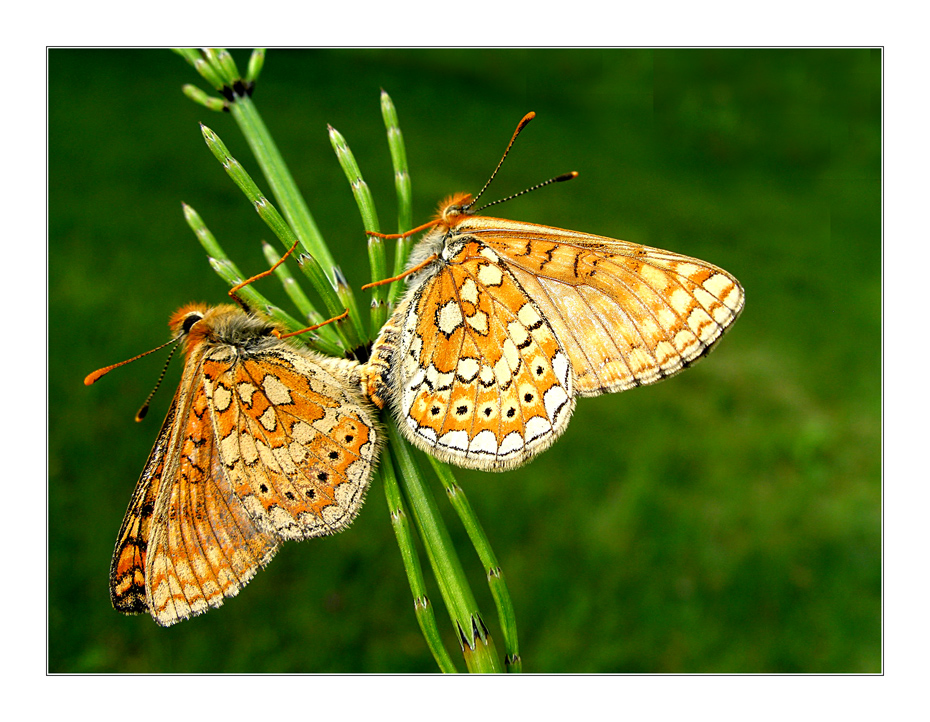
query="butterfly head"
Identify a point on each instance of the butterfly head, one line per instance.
(196, 324)
(186, 323)
(454, 208)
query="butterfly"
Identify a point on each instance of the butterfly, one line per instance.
(505, 323)
(263, 442)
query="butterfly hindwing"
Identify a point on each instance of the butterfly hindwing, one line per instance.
(480, 378)
(298, 447)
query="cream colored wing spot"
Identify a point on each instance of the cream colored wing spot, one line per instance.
(528, 316)
(556, 402)
(502, 372)
(490, 275)
(537, 427)
(706, 299)
(221, 398)
(333, 515)
(469, 291)
(486, 376)
(513, 442)
(438, 380)
(658, 280)
(245, 391)
(268, 420)
(489, 254)
(562, 369)
(667, 357)
(703, 326)
(229, 446)
(512, 355)
(688, 269)
(467, 369)
(302, 433)
(478, 322)
(347, 495)
(483, 444)
(687, 344)
(666, 318)
(277, 393)
(719, 286)
(680, 301)
(449, 318)
(457, 440)
(298, 452)
(640, 364)
(248, 452)
(518, 334)
(734, 298)
(723, 315)
(412, 359)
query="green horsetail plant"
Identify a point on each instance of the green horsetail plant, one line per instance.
(407, 490)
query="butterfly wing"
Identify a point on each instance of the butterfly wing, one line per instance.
(127, 569)
(295, 442)
(626, 314)
(478, 377)
(204, 545)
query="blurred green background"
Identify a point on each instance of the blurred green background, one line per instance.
(725, 520)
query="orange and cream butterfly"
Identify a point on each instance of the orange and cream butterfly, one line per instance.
(504, 323)
(263, 442)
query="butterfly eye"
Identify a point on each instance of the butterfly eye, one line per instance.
(189, 321)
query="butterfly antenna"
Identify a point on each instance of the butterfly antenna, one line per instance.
(557, 179)
(91, 378)
(520, 126)
(344, 314)
(140, 414)
(253, 279)
(408, 272)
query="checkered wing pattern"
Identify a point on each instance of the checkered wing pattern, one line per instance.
(481, 379)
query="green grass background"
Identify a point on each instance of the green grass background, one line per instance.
(726, 520)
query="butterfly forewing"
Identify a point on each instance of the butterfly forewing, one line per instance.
(204, 545)
(127, 569)
(626, 314)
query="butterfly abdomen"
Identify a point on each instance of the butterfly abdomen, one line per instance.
(374, 374)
